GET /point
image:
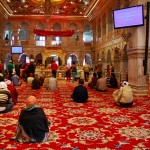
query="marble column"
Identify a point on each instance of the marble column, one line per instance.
(136, 77)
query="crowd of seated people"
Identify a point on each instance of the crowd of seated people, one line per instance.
(33, 125)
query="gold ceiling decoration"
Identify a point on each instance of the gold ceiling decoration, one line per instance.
(49, 7)
(52, 1)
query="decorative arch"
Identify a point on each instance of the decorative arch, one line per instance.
(40, 25)
(24, 58)
(57, 27)
(53, 51)
(72, 58)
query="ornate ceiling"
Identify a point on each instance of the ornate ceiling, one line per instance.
(57, 7)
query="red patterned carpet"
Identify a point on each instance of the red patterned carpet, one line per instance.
(95, 125)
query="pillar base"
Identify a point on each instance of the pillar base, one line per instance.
(140, 90)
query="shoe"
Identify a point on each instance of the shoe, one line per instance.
(13, 139)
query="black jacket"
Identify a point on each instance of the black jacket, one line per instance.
(34, 122)
(80, 94)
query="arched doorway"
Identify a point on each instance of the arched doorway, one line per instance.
(72, 58)
(38, 59)
(24, 58)
(87, 59)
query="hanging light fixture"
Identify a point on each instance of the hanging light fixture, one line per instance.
(47, 9)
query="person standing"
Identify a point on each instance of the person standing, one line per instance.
(10, 69)
(73, 71)
(18, 68)
(86, 69)
(54, 68)
(111, 68)
(31, 68)
(68, 72)
(99, 68)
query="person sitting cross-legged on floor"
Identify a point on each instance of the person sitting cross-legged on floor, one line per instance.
(101, 84)
(80, 93)
(6, 103)
(15, 79)
(46, 83)
(113, 83)
(33, 125)
(123, 96)
(36, 83)
(93, 82)
(30, 79)
(13, 91)
(52, 84)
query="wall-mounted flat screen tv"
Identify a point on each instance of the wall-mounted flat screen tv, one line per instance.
(128, 17)
(16, 50)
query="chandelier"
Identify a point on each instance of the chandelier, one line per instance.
(47, 9)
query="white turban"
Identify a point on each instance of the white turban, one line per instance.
(3, 85)
(125, 83)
